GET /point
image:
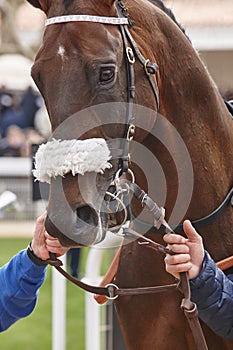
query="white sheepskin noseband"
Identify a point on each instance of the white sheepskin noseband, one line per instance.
(59, 157)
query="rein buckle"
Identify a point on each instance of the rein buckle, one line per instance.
(130, 55)
(130, 132)
(112, 291)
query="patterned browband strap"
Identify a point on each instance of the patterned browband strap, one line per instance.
(86, 18)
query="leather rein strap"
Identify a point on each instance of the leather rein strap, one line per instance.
(111, 291)
(212, 216)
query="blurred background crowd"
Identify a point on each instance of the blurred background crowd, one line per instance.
(23, 121)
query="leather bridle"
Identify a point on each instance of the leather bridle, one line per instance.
(131, 53)
(112, 291)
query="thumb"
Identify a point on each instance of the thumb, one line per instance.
(190, 231)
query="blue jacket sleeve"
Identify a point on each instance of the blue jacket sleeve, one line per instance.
(212, 291)
(20, 280)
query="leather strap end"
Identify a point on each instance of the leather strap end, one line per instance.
(34, 257)
(100, 299)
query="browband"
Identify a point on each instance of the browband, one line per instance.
(86, 18)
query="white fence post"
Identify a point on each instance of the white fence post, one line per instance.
(92, 309)
(59, 308)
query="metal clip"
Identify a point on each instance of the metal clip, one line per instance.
(130, 55)
(130, 132)
(112, 291)
(158, 222)
(145, 66)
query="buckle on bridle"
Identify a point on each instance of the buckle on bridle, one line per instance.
(130, 55)
(130, 132)
(112, 291)
(150, 67)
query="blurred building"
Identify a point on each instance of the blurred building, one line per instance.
(21, 28)
(209, 24)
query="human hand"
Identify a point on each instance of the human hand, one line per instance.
(190, 252)
(43, 244)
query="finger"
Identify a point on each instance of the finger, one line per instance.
(172, 238)
(53, 244)
(58, 251)
(176, 269)
(190, 231)
(177, 259)
(48, 236)
(179, 248)
(41, 219)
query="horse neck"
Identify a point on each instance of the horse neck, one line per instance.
(191, 102)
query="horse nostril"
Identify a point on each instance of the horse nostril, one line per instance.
(88, 215)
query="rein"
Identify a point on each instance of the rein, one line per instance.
(112, 291)
(208, 219)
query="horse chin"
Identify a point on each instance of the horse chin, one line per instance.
(79, 234)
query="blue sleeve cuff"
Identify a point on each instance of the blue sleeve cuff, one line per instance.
(29, 267)
(208, 268)
(20, 280)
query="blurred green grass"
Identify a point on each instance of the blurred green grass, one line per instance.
(34, 332)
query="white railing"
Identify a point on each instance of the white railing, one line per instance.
(15, 166)
(93, 266)
(59, 308)
(92, 309)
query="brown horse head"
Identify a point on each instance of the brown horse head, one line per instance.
(80, 66)
(84, 72)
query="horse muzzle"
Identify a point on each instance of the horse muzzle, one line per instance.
(82, 227)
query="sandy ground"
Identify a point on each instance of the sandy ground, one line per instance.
(16, 229)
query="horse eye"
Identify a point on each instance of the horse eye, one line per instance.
(107, 74)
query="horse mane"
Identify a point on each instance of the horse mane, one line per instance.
(68, 3)
(168, 11)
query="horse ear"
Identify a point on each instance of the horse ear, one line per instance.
(40, 4)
